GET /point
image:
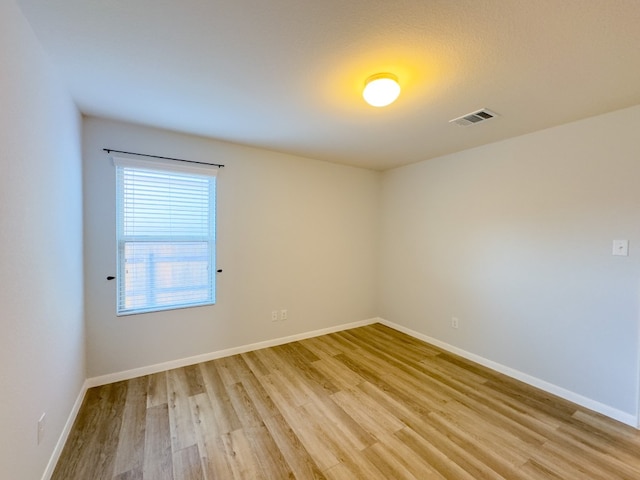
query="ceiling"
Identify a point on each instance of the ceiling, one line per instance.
(287, 75)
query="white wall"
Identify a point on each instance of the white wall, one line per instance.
(42, 342)
(515, 239)
(292, 233)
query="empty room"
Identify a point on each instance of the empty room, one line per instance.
(319, 240)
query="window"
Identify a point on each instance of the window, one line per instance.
(166, 235)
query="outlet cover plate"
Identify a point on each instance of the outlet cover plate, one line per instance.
(621, 248)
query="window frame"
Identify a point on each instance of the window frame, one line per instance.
(164, 167)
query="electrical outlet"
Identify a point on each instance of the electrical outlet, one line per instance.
(274, 315)
(42, 423)
(621, 247)
(283, 314)
(454, 322)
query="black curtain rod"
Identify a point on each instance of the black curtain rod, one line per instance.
(109, 150)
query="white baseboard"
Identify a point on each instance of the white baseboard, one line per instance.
(62, 440)
(183, 362)
(576, 398)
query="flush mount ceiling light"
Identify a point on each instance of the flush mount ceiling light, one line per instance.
(381, 89)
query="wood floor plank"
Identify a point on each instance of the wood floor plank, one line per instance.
(369, 403)
(336, 438)
(593, 457)
(412, 352)
(73, 466)
(360, 467)
(300, 423)
(617, 432)
(254, 363)
(187, 465)
(193, 380)
(96, 431)
(245, 408)
(324, 345)
(296, 455)
(393, 452)
(332, 413)
(601, 439)
(215, 463)
(514, 420)
(157, 389)
(295, 389)
(456, 449)
(376, 421)
(571, 466)
(342, 377)
(281, 395)
(436, 363)
(260, 398)
(179, 389)
(534, 470)
(497, 459)
(158, 461)
(270, 458)
(391, 467)
(208, 434)
(339, 472)
(421, 446)
(242, 459)
(226, 416)
(135, 474)
(130, 450)
(374, 376)
(233, 369)
(301, 360)
(509, 450)
(399, 338)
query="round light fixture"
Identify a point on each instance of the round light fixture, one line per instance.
(381, 89)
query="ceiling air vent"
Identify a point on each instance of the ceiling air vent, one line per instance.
(473, 118)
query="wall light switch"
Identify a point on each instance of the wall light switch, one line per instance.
(621, 247)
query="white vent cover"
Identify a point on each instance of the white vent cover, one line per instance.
(475, 117)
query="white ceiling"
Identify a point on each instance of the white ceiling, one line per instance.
(287, 75)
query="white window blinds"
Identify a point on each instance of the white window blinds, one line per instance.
(165, 235)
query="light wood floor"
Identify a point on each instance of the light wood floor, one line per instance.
(368, 403)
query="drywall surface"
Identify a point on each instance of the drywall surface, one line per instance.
(515, 240)
(42, 342)
(292, 233)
